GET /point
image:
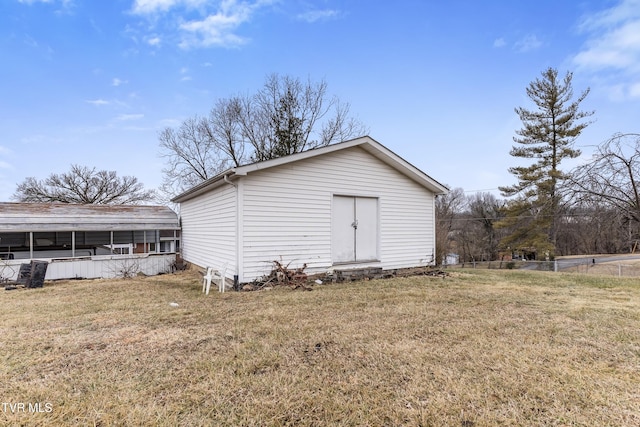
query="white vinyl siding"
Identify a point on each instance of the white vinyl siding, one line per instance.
(282, 225)
(287, 212)
(209, 229)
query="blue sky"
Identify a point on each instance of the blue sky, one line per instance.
(93, 82)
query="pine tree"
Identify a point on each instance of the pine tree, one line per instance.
(547, 136)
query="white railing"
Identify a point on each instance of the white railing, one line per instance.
(94, 267)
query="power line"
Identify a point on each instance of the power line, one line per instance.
(576, 215)
(478, 191)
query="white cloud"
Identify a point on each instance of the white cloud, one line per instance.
(499, 42)
(198, 23)
(97, 102)
(634, 90)
(45, 50)
(184, 71)
(614, 40)
(218, 29)
(30, 41)
(129, 117)
(612, 49)
(528, 43)
(615, 92)
(318, 15)
(153, 40)
(113, 103)
(152, 6)
(626, 10)
(143, 7)
(67, 5)
(5, 165)
(118, 82)
(169, 122)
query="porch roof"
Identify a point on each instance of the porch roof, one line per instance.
(25, 217)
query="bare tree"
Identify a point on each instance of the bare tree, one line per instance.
(484, 210)
(222, 128)
(341, 126)
(592, 227)
(612, 179)
(449, 207)
(84, 185)
(465, 225)
(192, 155)
(286, 116)
(289, 116)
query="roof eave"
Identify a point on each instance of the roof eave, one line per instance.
(205, 186)
(366, 142)
(389, 157)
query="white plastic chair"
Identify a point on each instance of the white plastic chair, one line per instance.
(213, 274)
(223, 279)
(206, 280)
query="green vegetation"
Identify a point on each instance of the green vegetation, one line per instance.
(547, 136)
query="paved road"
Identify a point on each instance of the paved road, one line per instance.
(572, 262)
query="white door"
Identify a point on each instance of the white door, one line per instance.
(343, 243)
(354, 229)
(367, 228)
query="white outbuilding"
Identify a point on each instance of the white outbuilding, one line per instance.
(354, 204)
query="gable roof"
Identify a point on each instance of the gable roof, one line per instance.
(19, 217)
(366, 143)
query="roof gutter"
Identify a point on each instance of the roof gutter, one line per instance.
(204, 186)
(225, 177)
(236, 275)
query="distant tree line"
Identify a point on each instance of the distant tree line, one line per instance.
(468, 225)
(594, 208)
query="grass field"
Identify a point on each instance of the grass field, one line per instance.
(478, 348)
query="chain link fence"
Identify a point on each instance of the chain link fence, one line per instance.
(612, 268)
(582, 266)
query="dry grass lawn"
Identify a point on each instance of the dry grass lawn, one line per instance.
(479, 348)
